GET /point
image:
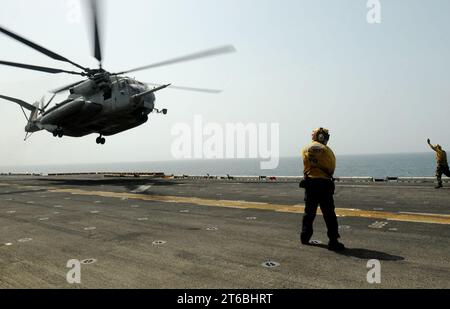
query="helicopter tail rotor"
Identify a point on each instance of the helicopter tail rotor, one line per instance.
(35, 109)
(31, 126)
(41, 103)
(44, 107)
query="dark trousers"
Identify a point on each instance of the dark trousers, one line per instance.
(320, 192)
(442, 170)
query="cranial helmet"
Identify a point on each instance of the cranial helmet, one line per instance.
(321, 135)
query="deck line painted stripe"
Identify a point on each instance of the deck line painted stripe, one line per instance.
(299, 208)
(385, 186)
(424, 214)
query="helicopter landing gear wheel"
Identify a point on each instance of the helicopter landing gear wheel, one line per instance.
(100, 140)
(58, 133)
(163, 111)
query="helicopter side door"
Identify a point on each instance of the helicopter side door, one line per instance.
(120, 95)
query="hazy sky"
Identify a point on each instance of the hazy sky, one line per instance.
(380, 88)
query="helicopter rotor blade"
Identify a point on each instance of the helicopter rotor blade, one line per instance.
(203, 54)
(22, 103)
(205, 90)
(39, 48)
(41, 103)
(96, 31)
(62, 89)
(38, 68)
(48, 103)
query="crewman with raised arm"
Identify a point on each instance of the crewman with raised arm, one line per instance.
(442, 164)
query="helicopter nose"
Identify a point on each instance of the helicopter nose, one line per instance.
(146, 102)
(149, 102)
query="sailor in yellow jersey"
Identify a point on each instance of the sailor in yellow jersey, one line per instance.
(442, 164)
(319, 164)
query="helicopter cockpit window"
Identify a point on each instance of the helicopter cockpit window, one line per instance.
(122, 85)
(133, 87)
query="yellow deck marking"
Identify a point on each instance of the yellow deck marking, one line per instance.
(424, 214)
(299, 208)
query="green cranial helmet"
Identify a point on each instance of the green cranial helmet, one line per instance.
(321, 135)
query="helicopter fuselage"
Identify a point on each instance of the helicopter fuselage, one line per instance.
(106, 107)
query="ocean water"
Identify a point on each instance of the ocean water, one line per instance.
(381, 165)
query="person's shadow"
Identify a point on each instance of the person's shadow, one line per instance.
(364, 254)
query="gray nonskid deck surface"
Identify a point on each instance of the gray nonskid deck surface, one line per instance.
(46, 221)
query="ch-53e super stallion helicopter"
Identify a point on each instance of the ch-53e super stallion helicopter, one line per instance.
(105, 103)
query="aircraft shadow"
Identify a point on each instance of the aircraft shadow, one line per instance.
(128, 183)
(364, 254)
(24, 192)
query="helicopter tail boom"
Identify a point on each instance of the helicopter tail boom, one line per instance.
(31, 126)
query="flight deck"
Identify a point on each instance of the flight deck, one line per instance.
(153, 231)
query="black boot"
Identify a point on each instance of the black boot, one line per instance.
(335, 245)
(305, 238)
(438, 186)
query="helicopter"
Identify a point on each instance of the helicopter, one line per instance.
(102, 103)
